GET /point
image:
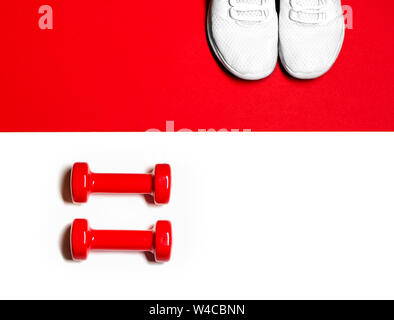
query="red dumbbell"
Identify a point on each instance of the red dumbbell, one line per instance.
(157, 241)
(84, 182)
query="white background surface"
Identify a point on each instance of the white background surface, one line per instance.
(255, 215)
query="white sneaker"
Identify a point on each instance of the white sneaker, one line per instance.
(244, 36)
(311, 34)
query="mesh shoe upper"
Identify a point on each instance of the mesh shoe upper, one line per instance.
(244, 35)
(310, 34)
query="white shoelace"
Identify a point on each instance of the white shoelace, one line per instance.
(308, 11)
(249, 10)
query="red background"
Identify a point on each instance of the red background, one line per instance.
(133, 65)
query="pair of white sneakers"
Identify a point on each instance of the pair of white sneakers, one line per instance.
(244, 34)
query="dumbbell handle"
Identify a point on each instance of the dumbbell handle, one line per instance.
(121, 240)
(121, 183)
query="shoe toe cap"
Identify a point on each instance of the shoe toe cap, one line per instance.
(310, 52)
(247, 52)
